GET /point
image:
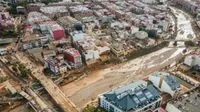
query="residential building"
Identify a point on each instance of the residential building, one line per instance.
(48, 53)
(73, 57)
(192, 60)
(56, 65)
(20, 9)
(34, 7)
(54, 11)
(6, 41)
(69, 23)
(118, 49)
(6, 20)
(138, 96)
(88, 47)
(149, 1)
(80, 11)
(57, 31)
(187, 102)
(165, 82)
(34, 18)
(114, 9)
(104, 15)
(41, 22)
(90, 22)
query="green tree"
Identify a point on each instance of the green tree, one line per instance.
(14, 68)
(90, 108)
(48, 1)
(13, 7)
(190, 43)
(24, 71)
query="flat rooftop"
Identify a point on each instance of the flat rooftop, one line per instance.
(6, 41)
(133, 96)
(188, 102)
(53, 9)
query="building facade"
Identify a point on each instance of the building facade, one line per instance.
(73, 57)
(134, 97)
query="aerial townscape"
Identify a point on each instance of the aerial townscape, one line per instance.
(99, 55)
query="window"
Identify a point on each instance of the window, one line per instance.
(111, 109)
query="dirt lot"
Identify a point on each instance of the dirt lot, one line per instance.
(21, 108)
(87, 89)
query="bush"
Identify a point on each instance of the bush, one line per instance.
(48, 1)
(90, 108)
(14, 67)
(21, 69)
(25, 72)
(145, 51)
(12, 8)
(190, 43)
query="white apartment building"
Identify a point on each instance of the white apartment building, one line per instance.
(134, 97)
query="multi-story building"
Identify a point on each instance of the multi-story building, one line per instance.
(69, 23)
(73, 57)
(104, 15)
(192, 60)
(80, 11)
(57, 32)
(188, 102)
(39, 21)
(34, 7)
(54, 11)
(56, 65)
(134, 97)
(165, 82)
(87, 47)
(6, 20)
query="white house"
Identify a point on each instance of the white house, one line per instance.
(192, 60)
(149, 1)
(165, 82)
(3, 51)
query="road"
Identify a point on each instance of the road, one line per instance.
(184, 27)
(54, 91)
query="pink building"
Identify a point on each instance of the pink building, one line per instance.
(57, 32)
(6, 19)
(4, 15)
(56, 65)
(73, 57)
